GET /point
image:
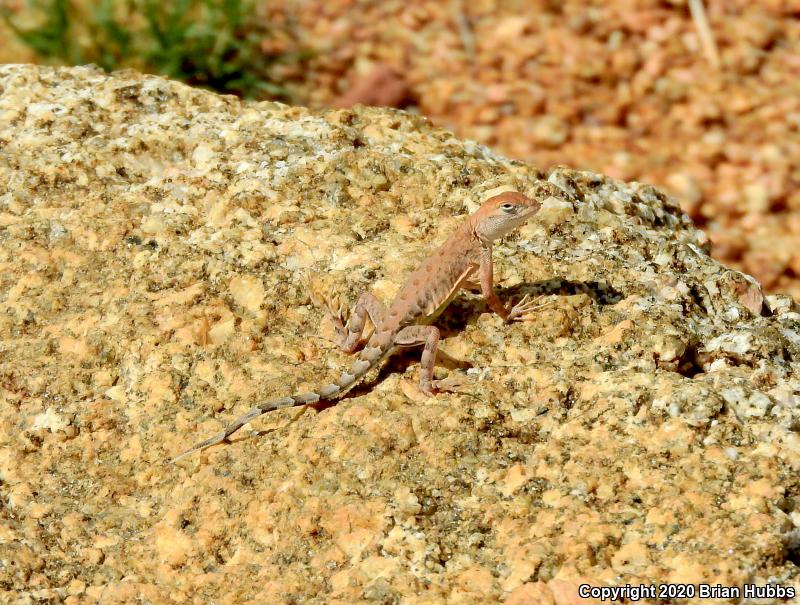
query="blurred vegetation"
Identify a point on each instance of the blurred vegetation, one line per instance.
(217, 44)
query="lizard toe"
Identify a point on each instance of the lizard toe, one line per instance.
(524, 307)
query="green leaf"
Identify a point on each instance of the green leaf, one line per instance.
(214, 43)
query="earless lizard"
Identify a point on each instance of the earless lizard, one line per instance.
(426, 293)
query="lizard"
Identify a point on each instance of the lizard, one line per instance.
(407, 322)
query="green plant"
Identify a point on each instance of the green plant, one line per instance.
(112, 41)
(211, 43)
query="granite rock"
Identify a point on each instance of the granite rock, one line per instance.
(163, 251)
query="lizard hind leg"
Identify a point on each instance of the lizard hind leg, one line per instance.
(428, 337)
(349, 335)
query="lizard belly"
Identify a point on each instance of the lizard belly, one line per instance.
(437, 303)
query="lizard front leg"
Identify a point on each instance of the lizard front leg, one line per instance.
(349, 335)
(487, 289)
(428, 336)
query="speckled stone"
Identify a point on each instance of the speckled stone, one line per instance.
(162, 254)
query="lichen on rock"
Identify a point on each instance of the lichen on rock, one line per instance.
(162, 249)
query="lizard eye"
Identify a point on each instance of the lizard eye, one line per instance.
(507, 207)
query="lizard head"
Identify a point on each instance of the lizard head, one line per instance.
(502, 214)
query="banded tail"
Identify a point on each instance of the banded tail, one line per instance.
(376, 350)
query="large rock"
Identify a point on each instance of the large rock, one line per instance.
(163, 254)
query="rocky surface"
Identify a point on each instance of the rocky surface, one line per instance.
(161, 249)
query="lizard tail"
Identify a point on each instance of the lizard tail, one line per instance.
(369, 357)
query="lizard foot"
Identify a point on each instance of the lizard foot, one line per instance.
(335, 311)
(525, 306)
(419, 393)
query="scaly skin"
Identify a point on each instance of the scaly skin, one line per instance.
(425, 294)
